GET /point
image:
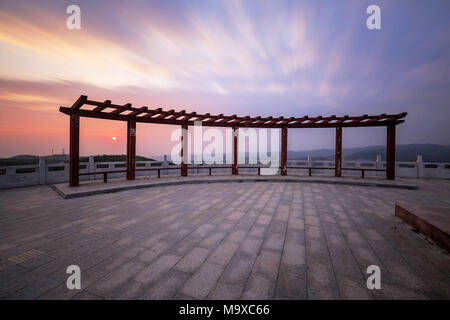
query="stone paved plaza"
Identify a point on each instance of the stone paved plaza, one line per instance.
(263, 240)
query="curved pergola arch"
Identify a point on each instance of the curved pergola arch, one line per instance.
(107, 110)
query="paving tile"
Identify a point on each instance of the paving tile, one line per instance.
(167, 286)
(250, 246)
(294, 254)
(113, 280)
(128, 290)
(291, 282)
(213, 240)
(152, 272)
(321, 282)
(267, 263)
(223, 253)
(264, 219)
(61, 292)
(236, 236)
(203, 281)
(225, 291)
(258, 287)
(353, 289)
(238, 270)
(274, 241)
(193, 260)
(35, 289)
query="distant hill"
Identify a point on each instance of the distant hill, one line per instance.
(406, 152)
(23, 157)
(113, 158)
(20, 160)
(32, 158)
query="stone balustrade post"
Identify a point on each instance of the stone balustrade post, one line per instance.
(42, 171)
(379, 165)
(420, 166)
(91, 167)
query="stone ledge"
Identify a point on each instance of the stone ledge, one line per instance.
(116, 185)
(433, 222)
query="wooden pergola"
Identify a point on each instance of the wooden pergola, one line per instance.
(132, 115)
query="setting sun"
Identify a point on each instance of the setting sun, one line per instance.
(114, 138)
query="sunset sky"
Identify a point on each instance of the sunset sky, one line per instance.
(289, 58)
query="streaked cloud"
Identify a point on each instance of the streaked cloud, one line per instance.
(246, 57)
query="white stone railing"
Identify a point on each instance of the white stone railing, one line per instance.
(418, 169)
(42, 173)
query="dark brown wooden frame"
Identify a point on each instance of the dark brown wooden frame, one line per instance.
(145, 115)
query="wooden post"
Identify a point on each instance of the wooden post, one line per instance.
(235, 169)
(74, 178)
(338, 153)
(131, 149)
(390, 153)
(184, 149)
(284, 135)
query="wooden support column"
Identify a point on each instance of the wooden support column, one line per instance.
(74, 178)
(235, 169)
(338, 153)
(131, 149)
(284, 134)
(390, 153)
(184, 149)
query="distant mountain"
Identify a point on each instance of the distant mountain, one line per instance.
(406, 152)
(19, 160)
(113, 158)
(403, 153)
(21, 157)
(58, 158)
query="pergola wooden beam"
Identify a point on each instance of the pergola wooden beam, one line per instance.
(235, 169)
(138, 112)
(131, 149)
(102, 106)
(338, 153)
(390, 152)
(80, 102)
(164, 114)
(125, 107)
(74, 155)
(151, 113)
(184, 150)
(283, 164)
